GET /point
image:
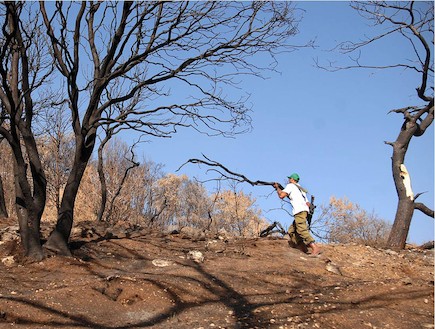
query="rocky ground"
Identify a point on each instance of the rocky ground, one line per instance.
(145, 280)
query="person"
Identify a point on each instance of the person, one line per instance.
(299, 233)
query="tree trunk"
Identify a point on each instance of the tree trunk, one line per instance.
(29, 233)
(3, 210)
(29, 218)
(402, 222)
(102, 178)
(402, 181)
(58, 239)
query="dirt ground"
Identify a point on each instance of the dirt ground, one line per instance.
(144, 280)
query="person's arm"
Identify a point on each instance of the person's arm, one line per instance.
(280, 192)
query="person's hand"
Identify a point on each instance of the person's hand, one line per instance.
(275, 185)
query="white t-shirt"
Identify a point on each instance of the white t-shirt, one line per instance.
(298, 198)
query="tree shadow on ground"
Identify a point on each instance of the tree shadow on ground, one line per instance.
(214, 288)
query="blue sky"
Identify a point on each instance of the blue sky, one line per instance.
(330, 127)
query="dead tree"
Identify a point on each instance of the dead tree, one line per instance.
(140, 52)
(24, 69)
(414, 22)
(131, 165)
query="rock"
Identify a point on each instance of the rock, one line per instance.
(161, 262)
(196, 256)
(10, 233)
(216, 246)
(333, 268)
(406, 281)
(391, 252)
(192, 233)
(8, 261)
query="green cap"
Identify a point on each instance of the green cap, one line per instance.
(294, 176)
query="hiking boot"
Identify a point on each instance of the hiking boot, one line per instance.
(315, 249)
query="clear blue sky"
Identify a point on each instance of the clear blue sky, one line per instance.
(328, 127)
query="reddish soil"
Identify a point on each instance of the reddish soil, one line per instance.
(144, 280)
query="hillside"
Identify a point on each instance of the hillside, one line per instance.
(136, 279)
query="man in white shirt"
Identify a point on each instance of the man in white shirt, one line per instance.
(299, 233)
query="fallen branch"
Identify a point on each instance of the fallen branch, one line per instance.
(427, 245)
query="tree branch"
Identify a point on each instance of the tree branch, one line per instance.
(424, 209)
(227, 173)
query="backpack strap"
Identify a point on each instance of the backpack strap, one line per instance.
(311, 203)
(302, 190)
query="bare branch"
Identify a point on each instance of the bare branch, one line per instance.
(227, 173)
(424, 209)
(133, 164)
(413, 22)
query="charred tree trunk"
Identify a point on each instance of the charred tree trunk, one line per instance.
(29, 208)
(402, 180)
(402, 222)
(3, 210)
(405, 207)
(101, 176)
(59, 237)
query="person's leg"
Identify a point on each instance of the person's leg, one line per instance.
(292, 234)
(302, 230)
(295, 239)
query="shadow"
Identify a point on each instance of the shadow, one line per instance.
(72, 320)
(247, 308)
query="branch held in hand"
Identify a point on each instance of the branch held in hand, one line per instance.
(227, 173)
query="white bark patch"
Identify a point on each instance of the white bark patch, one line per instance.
(406, 181)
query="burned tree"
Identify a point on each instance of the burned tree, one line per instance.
(414, 22)
(154, 67)
(3, 208)
(121, 165)
(24, 69)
